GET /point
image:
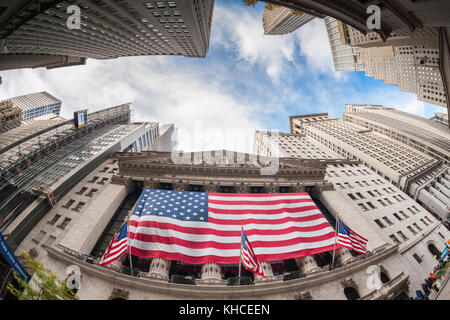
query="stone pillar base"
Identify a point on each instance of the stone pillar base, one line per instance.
(266, 280)
(211, 282)
(154, 276)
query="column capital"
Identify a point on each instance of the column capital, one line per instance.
(159, 269)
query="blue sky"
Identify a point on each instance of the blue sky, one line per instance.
(247, 81)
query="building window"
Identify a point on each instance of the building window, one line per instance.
(363, 207)
(82, 190)
(351, 196)
(64, 224)
(389, 222)
(55, 218)
(394, 238)
(79, 206)
(414, 232)
(417, 258)
(39, 236)
(378, 222)
(402, 235)
(93, 179)
(50, 241)
(68, 204)
(371, 205)
(103, 181)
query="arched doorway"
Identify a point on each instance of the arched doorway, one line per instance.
(351, 293)
(433, 250)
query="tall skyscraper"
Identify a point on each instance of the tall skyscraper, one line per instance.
(441, 118)
(279, 20)
(10, 116)
(404, 14)
(389, 148)
(409, 60)
(345, 57)
(415, 131)
(36, 104)
(10, 61)
(53, 156)
(108, 29)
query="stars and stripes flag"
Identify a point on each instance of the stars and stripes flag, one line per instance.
(248, 256)
(424, 60)
(349, 239)
(117, 247)
(202, 227)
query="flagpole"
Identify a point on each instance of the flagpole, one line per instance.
(240, 254)
(128, 240)
(335, 240)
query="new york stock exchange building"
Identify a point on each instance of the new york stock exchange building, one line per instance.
(74, 234)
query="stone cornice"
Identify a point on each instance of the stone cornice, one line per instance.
(241, 166)
(216, 292)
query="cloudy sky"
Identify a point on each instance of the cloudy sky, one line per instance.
(247, 81)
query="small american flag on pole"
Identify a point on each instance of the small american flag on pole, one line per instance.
(117, 247)
(350, 239)
(248, 257)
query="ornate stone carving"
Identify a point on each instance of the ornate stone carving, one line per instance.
(33, 252)
(180, 185)
(150, 183)
(242, 188)
(119, 294)
(211, 187)
(211, 272)
(348, 282)
(159, 268)
(344, 256)
(267, 269)
(308, 264)
(303, 295)
(272, 188)
(298, 187)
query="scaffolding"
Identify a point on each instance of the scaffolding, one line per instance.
(24, 168)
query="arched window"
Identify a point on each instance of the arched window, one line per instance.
(384, 277)
(351, 293)
(433, 250)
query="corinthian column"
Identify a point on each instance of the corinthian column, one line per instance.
(159, 268)
(267, 269)
(307, 264)
(344, 256)
(211, 272)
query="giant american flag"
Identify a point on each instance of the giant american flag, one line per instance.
(201, 227)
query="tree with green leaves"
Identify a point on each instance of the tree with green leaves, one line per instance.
(44, 285)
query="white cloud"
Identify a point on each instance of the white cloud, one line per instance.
(159, 89)
(315, 47)
(241, 30)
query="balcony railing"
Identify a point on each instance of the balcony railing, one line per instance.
(293, 275)
(176, 278)
(234, 281)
